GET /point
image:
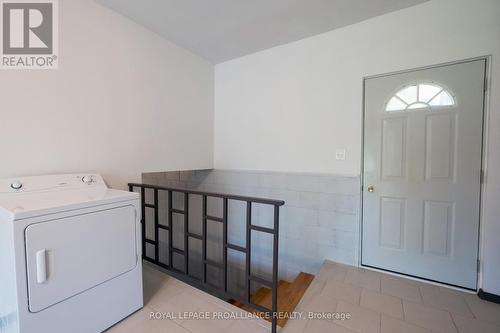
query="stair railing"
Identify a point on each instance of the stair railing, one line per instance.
(184, 274)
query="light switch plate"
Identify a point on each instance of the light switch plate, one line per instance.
(340, 154)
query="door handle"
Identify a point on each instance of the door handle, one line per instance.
(41, 266)
(370, 188)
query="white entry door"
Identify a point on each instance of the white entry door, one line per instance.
(422, 170)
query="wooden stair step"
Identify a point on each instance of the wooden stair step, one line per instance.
(256, 299)
(267, 301)
(289, 296)
(295, 292)
(260, 295)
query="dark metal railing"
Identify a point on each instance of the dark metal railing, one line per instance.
(184, 275)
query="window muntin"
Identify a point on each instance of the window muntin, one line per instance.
(420, 96)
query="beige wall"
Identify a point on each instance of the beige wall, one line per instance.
(122, 102)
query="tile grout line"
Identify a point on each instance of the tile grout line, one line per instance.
(403, 308)
(454, 323)
(470, 308)
(420, 293)
(169, 320)
(180, 325)
(426, 306)
(433, 306)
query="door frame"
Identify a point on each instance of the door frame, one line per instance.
(484, 166)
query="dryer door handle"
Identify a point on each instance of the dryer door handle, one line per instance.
(41, 266)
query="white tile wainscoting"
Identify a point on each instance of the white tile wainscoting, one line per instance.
(320, 218)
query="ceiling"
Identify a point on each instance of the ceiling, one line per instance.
(220, 30)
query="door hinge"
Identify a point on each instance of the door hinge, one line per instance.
(481, 177)
(478, 265)
(485, 83)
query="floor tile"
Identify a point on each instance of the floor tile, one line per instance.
(321, 303)
(332, 271)
(390, 305)
(342, 291)
(166, 294)
(468, 325)
(247, 326)
(315, 289)
(400, 287)
(163, 326)
(485, 311)
(207, 325)
(152, 281)
(320, 326)
(178, 304)
(140, 322)
(136, 322)
(363, 278)
(295, 326)
(464, 294)
(155, 292)
(427, 317)
(394, 325)
(152, 276)
(212, 300)
(437, 297)
(361, 320)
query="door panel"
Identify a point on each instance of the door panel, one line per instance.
(440, 147)
(392, 222)
(393, 148)
(439, 219)
(70, 255)
(422, 155)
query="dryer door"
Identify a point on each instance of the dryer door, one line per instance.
(67, 256)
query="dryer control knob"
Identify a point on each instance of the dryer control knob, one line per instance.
(16, 185)
(88, 179)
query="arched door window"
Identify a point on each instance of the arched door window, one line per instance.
(420, 96)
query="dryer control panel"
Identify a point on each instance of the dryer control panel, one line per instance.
(50, 182)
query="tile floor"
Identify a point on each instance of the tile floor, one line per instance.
(164, 294)
(376, 302)
(382, 303)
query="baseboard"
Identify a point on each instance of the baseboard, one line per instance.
(488, 297)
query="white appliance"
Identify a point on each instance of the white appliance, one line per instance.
(70, 254)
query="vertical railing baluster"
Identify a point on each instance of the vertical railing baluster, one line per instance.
(157, 229)
(143, 220)
(248, 248)
(170, 231)
(275, 269)
(186, 231)
(224, 241)
(204, 240)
